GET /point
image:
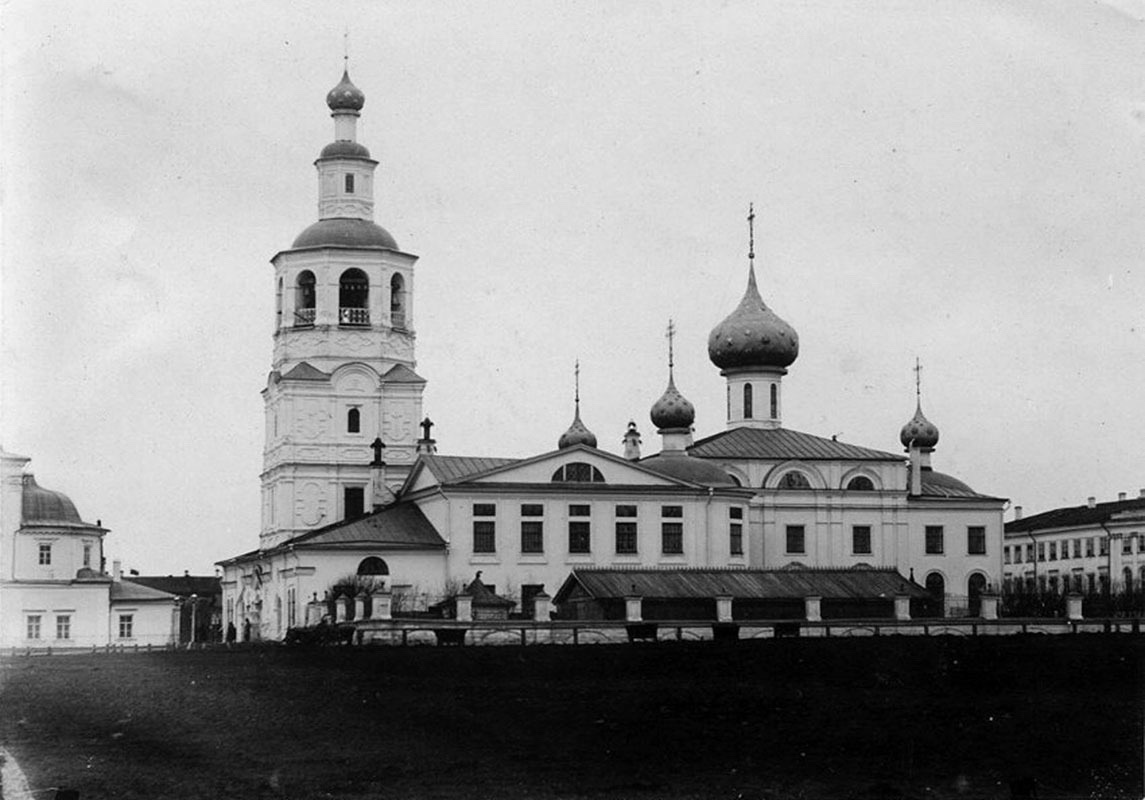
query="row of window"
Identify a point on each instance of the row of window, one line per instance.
(353, 298)
(35, 622)
(44, 555)
(749, 404)
(1052, 551)
(580, 529)
(861, 540)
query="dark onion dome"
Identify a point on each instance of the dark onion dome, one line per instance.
(687, 468)
(919, 430)
(45, 506)
(941, 483)
(345, 232)
(576, 434)
(673, 410)
(345, 96)
(753, 335)
(344, 149)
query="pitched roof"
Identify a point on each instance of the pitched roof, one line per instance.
(781, 444)
(1079, 516)
(765, 584)
(453, 469)
(182, 585)
(304, 371)
(400, 526)
(400, 373)
(130, 591)
(483, 596)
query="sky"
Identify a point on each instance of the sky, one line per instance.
(961, 183)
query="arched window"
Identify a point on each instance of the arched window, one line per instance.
(373, 566)
(747, 401)
(774, 401)
(354, 298)
(975, 586)
(577, 472)
(398, 301)
(278, 306)
(1127, 573)
(860, 483)
(304, 299)
(794, 480)
(353, 421)
(936, 585)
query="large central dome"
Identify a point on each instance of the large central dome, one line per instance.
(753, 335)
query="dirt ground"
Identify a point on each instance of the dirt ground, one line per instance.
(892, 717)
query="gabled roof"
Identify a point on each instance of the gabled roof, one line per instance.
(1079, 516)
(305, 372)
(132, 592)
(781, 444)
(755, 584)
(182, 585)
(455, 469)
(400, 373)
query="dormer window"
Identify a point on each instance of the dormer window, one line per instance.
(349, 183)
(578, 472)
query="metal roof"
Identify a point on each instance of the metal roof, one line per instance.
(400, 373)
(452, 469)
(306, 372)
(401, 526)
(781, 444)
(182, 585)
(129, 591)
(939, 484)
(774, 584)
(1077, 516)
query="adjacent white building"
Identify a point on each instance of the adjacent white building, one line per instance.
(349, 488)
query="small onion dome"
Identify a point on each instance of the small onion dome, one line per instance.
(576, 434)
(43, 505)
(673, 410)
(344, 149)
(752, 335)
(345, 232)
(345, 96)
(921, 431)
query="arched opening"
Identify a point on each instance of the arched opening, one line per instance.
(278, 305)
(353, 298)
(373, 566)
(860, 483)
(397, 301)
(304, 296)
(936, 588)
(975, 586)
(577, 472)
(774, 401)
(1127, 577)
(793, 480)
(747, 410)
(353, 421)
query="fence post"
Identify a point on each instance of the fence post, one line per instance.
(724, 608)
(1073, 606)
(812, 608)
(633, 608)
(902, 607)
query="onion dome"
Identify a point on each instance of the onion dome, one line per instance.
(672, 410)
(920, 432)
(345, 232)
(345, 96)
(753, 335)
(576, 434)
(40, 505)
(344, 149)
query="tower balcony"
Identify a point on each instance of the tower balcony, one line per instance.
(352, 316)
(304, 317)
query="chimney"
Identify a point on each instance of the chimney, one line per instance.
(117, 569)
(1017, 512)
(631, 442)
(1091, 502)
(1121, 497)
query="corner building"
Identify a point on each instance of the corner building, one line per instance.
(349, 488)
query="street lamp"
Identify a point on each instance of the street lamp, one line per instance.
(194, 602)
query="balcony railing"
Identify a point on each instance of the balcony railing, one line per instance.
(353, 316)
(398, 319)
(303, 317)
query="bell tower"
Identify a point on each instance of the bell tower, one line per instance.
(342, 371)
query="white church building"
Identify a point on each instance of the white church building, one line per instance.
(349, 487)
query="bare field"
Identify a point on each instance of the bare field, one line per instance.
(873, 718)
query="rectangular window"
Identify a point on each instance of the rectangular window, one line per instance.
(976, 540)
(626, 537)
(484, 536)
(87, 554)
(580, 537)
(579, 511)
(355, 501)
(672, 538)
(349, 183)
(484, 510)
(532, 510)
(861, 540)
(291, 607)
(1077, 548)
(934, 542)
(1089, 547)
(1017, 554)
(795, 539)
(1127, 546)
(671, 511)
(1091, 581)
(1041, 551)
(1104, 540)
(735, 512)
(63, 626)
(45, 554)
(532, 537)
(33, 626)
(1053, 551)
(1006, 554)
(626, 511)
(126, 626)
(736, 539)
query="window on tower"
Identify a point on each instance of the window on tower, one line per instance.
(774, 401)
(353, 421)
(304, 296)
(397, 301)
(747, 401)
(349, 183)
(354, 501)
(354, 298)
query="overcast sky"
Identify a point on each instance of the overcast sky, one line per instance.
(961, 182)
